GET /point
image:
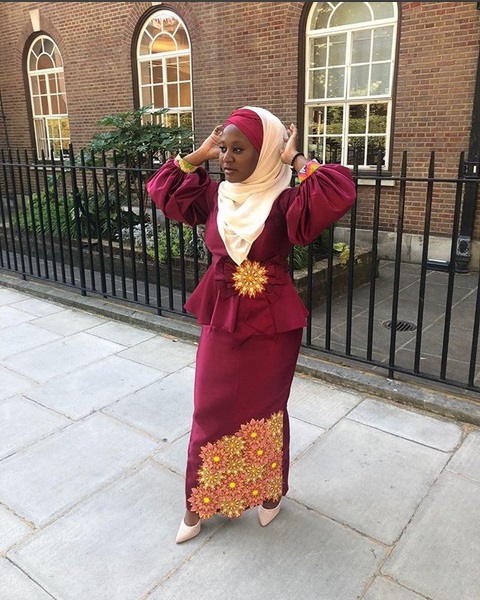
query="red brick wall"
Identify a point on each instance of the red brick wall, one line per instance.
(247, 53)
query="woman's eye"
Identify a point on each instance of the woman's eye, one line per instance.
(223, 149)
(237, 150)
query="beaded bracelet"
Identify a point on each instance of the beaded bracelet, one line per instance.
(295, 158)
(308, 169)
(184, 166)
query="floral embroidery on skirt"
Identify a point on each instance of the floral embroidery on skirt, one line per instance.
(241, 470)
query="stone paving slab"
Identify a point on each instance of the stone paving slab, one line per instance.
(12, 530)
(120, 333)
(174, 456)
(25, 336)
(23, 422)
(16, 585)
(52, 475)
(436, 433)
(366, 478)
(94, 386)
(38, 308)
(438, 554)
(466, 460)
(163, 353)
(8, 296)
(385, 589)
(163, 409)
(299, 555)
(12, 383)
(11, 316)
(319, 403)
(69, 322)
(62, 356)
(118, 545)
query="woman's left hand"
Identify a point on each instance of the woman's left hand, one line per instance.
(290, 145)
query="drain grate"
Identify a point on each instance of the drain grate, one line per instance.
(401, 325)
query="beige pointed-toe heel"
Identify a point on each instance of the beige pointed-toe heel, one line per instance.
(266, 515)
(187, 532)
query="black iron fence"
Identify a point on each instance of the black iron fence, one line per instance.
(86, 222)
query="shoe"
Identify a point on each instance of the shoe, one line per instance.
(187, 532)
(266, 515)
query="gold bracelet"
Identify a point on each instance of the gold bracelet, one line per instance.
(184, 165)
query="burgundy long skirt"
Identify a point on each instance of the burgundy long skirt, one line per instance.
(238, 454)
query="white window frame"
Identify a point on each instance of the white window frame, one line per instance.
(51, 125)
(385, 100)
(176, 114)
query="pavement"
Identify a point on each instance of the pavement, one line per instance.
(94, 420)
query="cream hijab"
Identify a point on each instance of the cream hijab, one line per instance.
(244, 207)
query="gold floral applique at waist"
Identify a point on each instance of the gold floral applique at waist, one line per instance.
(250, 278)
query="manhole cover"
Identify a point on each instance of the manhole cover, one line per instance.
(401, 325)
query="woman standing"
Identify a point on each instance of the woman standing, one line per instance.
(251, 315)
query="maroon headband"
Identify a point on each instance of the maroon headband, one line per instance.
(250, 124)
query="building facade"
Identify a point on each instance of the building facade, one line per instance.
(359, 79)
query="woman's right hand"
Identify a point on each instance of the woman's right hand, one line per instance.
(209, 150)
(211, 146)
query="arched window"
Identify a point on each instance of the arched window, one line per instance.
(164, 68)
(350, 56)
(48, 97)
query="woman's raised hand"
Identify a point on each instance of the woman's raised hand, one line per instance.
(291, 142)
(209, 150)
(211, 146)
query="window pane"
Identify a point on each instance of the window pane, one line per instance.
(349, 13)
(317, 84)
(172, 69)
(322, 14)
(334, 119)
(337, 50)
(333, 150)
(52, 82)
(172, 96)
(62, 104)
(158, 100)
(171, 119)
(382, 10)
(382, 43)
(163, 43)
(375, 145)
(48, 46)
(145, 73)
(184, 68)
(37, 109)
(157, 71)
(377, 122)
(356, 148)
(357, 121)
(380, 83)
(361, 46)
(186, 120)
(53, 128)
(182, 39)
(146, 94)
(35, 85)
(45, 107)
(185, 95)
(316, 123)
(45, 62)
(318, 52)
(42, 81)
(336, 83)
(54, 105)
(359, 81)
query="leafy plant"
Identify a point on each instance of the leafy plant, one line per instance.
(139, 133)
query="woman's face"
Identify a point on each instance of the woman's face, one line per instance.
(238, 158)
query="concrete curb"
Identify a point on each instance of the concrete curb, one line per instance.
(434, 399)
